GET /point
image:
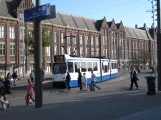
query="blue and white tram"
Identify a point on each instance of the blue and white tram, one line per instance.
(64, 63)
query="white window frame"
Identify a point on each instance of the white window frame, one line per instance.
(74, 40)
(62, 50)
(62, 37)
(22, 33)
(68, 38)
(48, 51)
(86, 40)
(12, 32)
(55, 36)
(2, 28)
(92, 43)
(3, 49)
(96, 40)
(55, 50)
(12, 49)
(80, 39)
(69, 50)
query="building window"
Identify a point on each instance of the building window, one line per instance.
(2, 49)
(81, 51)
(62, 37)
(12, 49)
(86, 40)
(68, 38)
(96, 40)
(12, 32)
(55, 36)
(91, 40)
(62, 50)
(2, 31)
(48, 51)
(68, 50)
(81, 39)
(74, 39)
(22, 33)
(103, 40)
(55, 50)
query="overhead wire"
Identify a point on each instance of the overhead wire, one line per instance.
(105, 9)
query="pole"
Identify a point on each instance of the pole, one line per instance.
(159, 45)
(38, 61)
(155, 56)
(100, 58)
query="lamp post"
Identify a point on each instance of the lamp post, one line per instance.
(38, 61)
(154, 32)
(159, 44)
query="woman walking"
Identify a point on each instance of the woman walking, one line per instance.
(30, 92)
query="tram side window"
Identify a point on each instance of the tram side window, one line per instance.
(83, 67)
(114, 65)
(77, 66)
(70, 67)
(106, 68)
(95, 68)
(89, 65)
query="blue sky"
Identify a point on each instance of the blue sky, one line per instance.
(131, 12)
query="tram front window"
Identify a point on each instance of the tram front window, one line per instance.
(59, 68)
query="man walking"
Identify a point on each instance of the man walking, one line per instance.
(93, 81)
(133, 76)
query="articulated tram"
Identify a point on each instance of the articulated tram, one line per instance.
(65, 63)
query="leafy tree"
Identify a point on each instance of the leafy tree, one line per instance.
(30, 42)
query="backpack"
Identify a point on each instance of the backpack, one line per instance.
(7, 86)
(2, 89)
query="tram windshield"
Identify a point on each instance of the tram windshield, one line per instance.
(59, 68)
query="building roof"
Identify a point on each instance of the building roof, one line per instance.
(137, 33)
(8, 7)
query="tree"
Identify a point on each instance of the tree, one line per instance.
(143, 57)
(30, 41)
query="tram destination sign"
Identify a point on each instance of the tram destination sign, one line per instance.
(37, 13)
(59, 59)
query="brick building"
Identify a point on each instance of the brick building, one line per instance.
(117, 41)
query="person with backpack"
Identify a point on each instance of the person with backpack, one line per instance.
(14, 76)
(68, 78)
(5, 104)
(80, 80)
(93, 82)
(32, 76)
(30, 92)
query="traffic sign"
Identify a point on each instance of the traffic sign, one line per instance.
(36, 13)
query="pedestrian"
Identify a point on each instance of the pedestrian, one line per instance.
(68, 78)
(5, 104)
(14, 76)
(32, 76)
(30, 92)
(80, 80)
(84, 81)
(134, 78)
(93, 82)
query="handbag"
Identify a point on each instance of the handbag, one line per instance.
(30, 101)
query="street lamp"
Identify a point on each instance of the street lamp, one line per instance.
(154, 32)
